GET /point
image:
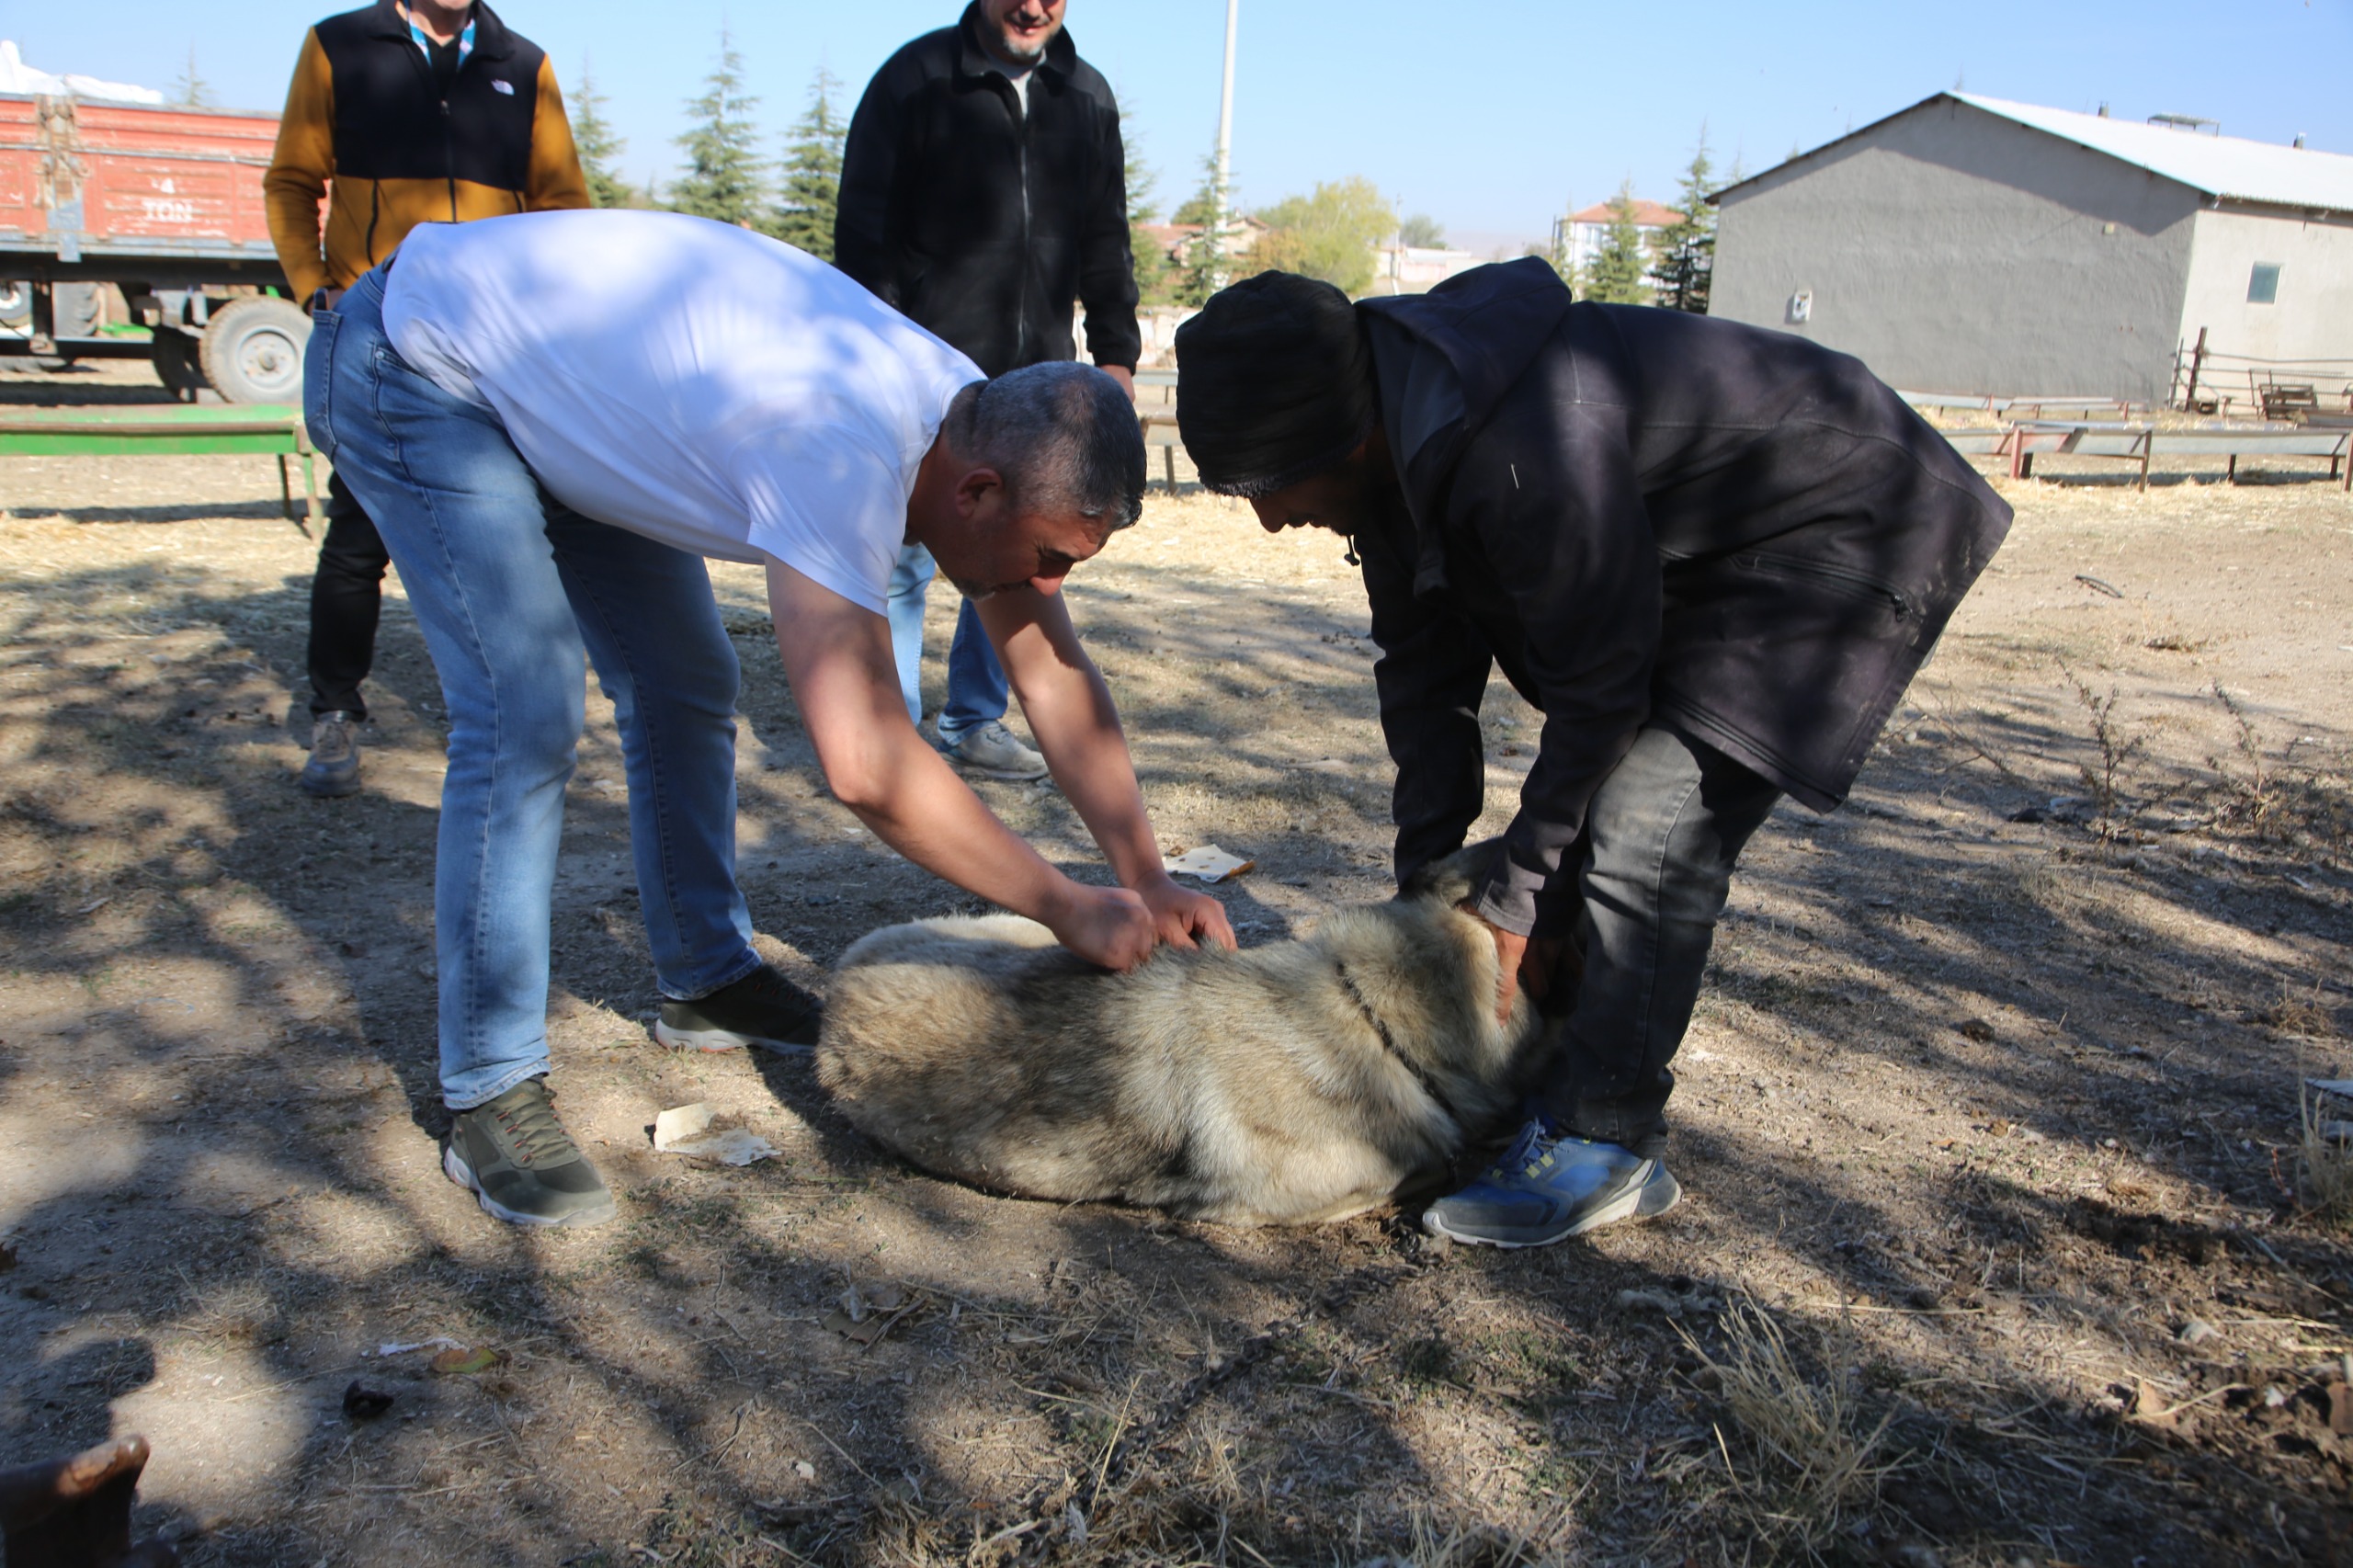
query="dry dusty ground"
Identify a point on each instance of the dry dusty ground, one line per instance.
(1988, 1124)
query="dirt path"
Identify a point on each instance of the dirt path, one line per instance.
(1990, 1113)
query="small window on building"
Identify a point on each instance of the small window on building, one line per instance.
(2263, 284)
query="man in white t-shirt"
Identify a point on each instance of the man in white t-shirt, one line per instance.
(552, 417)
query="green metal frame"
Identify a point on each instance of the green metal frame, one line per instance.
(264, 430)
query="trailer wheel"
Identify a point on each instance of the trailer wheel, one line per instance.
(15, 304)
(252, 351)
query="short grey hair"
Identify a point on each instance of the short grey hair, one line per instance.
(1065, 439)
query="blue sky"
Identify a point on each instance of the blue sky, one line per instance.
(1488, 116)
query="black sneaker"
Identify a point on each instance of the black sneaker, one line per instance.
(516, 1158)
(763, 1008)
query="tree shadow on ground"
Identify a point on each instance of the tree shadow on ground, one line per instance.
(671, 1384)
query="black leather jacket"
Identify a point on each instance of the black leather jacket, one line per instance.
(1643, 517)
(983, 222)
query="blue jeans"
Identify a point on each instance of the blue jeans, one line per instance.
(1651, 872)
(977, 691)
(516, 593)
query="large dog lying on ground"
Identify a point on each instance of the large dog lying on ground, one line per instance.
(1289, 1084)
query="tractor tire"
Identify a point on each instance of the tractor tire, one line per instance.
(251, 349)
(179, 365)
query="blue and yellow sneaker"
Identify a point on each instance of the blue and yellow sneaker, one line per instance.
(1547, 1187)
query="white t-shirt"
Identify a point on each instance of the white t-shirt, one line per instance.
(692, 381)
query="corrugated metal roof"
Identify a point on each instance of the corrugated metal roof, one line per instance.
(2218, 166)
(2229, 167)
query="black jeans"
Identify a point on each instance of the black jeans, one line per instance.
(1653, 868)
(346, 597)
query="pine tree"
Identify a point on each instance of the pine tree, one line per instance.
(1687, 247)
(724, 177)
(1206, 268)
(1618, 273)
(1154, 273)
(813, 174)
(599, 145)
(1201, 205)
(192, 91)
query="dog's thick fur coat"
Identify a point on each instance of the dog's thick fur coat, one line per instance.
(1300, 1082)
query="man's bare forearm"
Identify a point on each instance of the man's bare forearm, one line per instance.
(837, 657)
(1071, 713)
(919, 807)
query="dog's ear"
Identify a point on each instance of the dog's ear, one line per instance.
(1451, 878)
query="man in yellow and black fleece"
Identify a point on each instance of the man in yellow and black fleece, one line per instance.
(399, 115)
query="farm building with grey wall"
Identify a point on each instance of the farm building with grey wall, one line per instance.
(1969, 246)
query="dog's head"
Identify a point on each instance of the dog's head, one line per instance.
(1449, 878)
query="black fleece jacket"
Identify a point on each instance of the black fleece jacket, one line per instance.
(984, 223)
(1644, 517)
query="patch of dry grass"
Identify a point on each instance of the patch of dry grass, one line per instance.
(1816, 1466)
(2324, 1161)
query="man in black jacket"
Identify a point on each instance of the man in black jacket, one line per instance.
(1713, 556)
(983, 190)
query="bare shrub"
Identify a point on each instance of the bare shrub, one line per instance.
(2115, 751)
(2301, 802)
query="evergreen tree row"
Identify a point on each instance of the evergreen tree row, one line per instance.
(1673, 266)
(1330, 233)
(727, 178)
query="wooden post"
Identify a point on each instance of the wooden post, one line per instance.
(2196, 362)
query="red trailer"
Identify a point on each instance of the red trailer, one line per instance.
(165, 204)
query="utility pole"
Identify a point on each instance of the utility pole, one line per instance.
(1224, 152)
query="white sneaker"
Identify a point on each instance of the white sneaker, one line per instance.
(994, 752)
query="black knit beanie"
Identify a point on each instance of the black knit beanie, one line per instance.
(1274, 383)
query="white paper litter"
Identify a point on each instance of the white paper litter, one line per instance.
(438, 1342)
(1206, 862)
(685, 1129)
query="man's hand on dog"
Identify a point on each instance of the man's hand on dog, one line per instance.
(1119, 929)
(1520, 964)
(1182, 916)
(1111, 926)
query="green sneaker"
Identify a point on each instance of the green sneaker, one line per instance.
(763, 1009)
(517, 1159)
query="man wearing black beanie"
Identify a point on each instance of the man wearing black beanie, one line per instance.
(1714, 556)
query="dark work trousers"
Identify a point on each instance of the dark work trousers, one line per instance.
(347, 596)
(1653, 868)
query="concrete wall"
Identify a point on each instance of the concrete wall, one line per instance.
(1956, 251)
(2312, 318)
